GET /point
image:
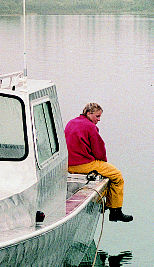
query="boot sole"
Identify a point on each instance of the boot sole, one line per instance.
(118, 220)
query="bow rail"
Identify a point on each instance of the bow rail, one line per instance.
(11, 76)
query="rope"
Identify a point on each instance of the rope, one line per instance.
(100, 236)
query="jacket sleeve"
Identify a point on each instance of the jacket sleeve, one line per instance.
(98, 149)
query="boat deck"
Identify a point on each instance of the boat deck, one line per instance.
(82, 191)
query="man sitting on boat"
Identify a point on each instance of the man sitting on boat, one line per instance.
(86, 152)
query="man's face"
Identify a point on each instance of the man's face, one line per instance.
(95, 116)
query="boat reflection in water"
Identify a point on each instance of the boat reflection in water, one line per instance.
(102, 260)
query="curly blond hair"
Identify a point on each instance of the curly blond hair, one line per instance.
(91, 107)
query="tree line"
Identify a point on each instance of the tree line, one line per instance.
(47, 7)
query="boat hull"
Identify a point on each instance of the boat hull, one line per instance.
(53, 247)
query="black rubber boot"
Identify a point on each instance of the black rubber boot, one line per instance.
(117, 215)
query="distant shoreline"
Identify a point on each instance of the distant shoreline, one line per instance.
(137, 13)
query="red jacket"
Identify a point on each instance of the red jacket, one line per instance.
(84, 142)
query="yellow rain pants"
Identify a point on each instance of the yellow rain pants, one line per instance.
(114, 197)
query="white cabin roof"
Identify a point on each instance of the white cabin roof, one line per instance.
(36, 85)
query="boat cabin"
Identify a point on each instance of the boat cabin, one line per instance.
(33, 153)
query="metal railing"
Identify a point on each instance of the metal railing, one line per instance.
(10, 76)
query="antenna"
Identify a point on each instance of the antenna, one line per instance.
(24, 25)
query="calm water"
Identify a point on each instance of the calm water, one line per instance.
(104, 59)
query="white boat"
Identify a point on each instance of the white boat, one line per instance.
(34, 177)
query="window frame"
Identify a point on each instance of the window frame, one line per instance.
(24, 128)
(34, 103)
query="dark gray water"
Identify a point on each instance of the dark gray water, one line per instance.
(105, 59)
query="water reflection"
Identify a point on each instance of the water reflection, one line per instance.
(105, 59)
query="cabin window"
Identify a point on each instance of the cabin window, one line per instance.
(13, 138)
(46, 137)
